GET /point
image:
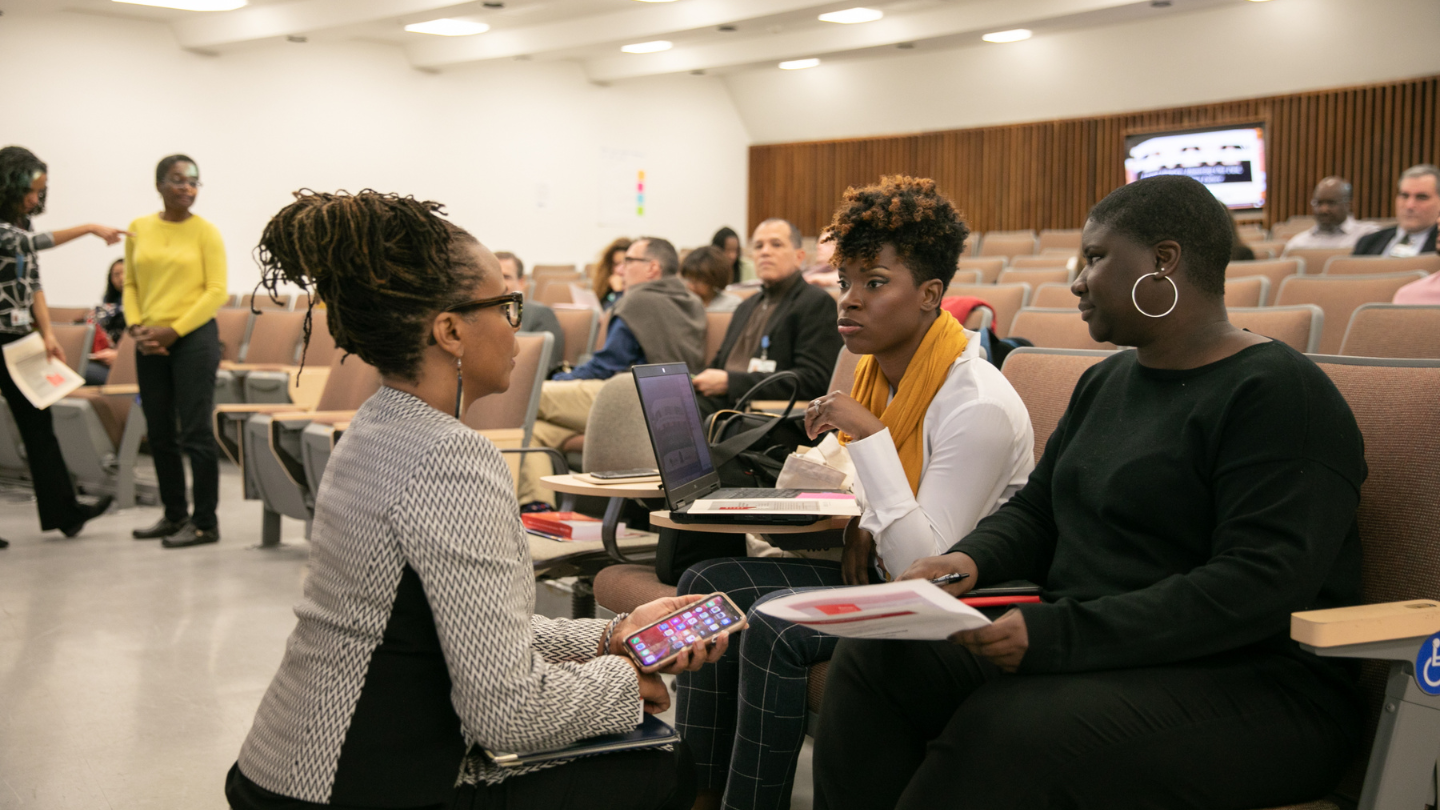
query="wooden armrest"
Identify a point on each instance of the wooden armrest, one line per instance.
(1366, 624)
(320, 417)
(243, 409)
(261, 367)
(774, 405)
(127, 389)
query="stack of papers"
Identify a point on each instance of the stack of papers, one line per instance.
(909, 609)
(43, 381)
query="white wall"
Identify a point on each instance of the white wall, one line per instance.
(101, 100)
(1175, 58)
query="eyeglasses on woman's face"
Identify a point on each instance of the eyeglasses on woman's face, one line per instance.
(514, 304)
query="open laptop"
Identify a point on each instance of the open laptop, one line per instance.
(687, 471)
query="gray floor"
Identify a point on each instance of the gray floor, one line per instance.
(129, 673)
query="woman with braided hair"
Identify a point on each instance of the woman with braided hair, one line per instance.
(939, 440)
(416, 641)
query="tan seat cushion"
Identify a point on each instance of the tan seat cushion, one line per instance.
(622, 588)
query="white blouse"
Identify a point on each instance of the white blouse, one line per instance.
(978, 453)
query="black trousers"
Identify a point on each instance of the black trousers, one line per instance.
(54, 491)
(177, 392)
(925, 725)
(652, 779)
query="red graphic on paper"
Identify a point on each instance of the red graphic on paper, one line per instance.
(831, 610)
(55, 379)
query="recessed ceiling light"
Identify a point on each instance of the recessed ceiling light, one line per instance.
(648, 47)
(851, 16)
(799, 64)
(1014, 35)
(447, 27)
(190, 5)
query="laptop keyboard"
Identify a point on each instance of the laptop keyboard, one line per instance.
(739, 494)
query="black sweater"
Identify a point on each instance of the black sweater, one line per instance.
(1180, 515)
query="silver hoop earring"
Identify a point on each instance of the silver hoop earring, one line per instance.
(459, 386)
(1137, 303)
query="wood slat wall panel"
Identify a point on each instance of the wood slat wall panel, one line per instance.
(1047, 174)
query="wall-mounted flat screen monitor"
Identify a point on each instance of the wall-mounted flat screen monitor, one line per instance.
(1229, 160)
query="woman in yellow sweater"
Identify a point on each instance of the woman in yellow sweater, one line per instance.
(174, 283)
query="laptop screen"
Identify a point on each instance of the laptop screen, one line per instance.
(674, 423)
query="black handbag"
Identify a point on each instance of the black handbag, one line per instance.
(749, 449)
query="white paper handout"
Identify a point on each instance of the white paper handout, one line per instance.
(43, 381)
(909, 609)
(824, 504)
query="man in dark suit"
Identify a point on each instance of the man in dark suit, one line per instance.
(1417, 206)
(788, 326)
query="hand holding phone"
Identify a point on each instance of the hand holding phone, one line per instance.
(693, 632)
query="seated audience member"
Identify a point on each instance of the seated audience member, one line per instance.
(1334, 225)
(729, 243)
(1417, 206)
(658, 321)
(1239, 251)
(939, 439)
(537, 317)
(1197, 491)
(1421, 291)
(706, 272)
(821, 272)
(608, 277)
(416, 641)
(109, 320)
(788, 326)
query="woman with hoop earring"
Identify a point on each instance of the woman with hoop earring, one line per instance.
(1196, 492)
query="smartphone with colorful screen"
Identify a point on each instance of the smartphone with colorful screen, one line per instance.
(656, 645)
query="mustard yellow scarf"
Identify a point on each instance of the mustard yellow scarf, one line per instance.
(905, 414)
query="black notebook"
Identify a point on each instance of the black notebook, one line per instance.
(651, 733)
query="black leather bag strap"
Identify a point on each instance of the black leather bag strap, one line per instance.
(735, 445)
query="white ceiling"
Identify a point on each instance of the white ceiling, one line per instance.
(591, 32)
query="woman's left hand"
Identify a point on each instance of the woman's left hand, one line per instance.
(1003, 642)
(691, 658)
(838, 411)
(158, 339)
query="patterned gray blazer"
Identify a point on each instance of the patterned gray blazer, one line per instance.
(416, 637)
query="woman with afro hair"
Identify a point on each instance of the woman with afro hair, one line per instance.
(939, 440)
(1197, 491)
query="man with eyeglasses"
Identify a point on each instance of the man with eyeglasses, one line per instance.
(1335, 227)
(657, 321)
(1417, 206)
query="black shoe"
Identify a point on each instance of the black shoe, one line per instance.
(88, 513)
(164, 528)
(189, 536)
(4, 543)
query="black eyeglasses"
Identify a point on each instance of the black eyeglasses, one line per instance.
(514, 304)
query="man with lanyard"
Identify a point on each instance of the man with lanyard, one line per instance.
(788, 326)
(1417, 206)
(1334, 227)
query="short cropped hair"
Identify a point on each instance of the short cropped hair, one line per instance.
(519, 265)
(908, 213)
(163, 167)
(708, 266)
(1422, 170)
(660, 250)
(1178, 208)
(796, 238)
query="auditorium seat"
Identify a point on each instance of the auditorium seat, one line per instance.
(1005, 299)
(1284, 231)
(580, 325)
(552, 292)
(715, 325)
(1339, 296)
(1055, 329)
(76, 340)
(969, 276)
(69, 315)
(1246, 291)
(1007, 244)
(265, 301)
(1042, 262)
(100, 427)
(1394, 406)
(1036, 277)
(1315, 258)
(989, 267)
(1044, 379)
(1068, 240)
(1267, 250)
(1393, 330)
(1054, 295)
(1363, 265)
(1298, 326)
(233, 326)
(273, 344)
(1277, 270)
